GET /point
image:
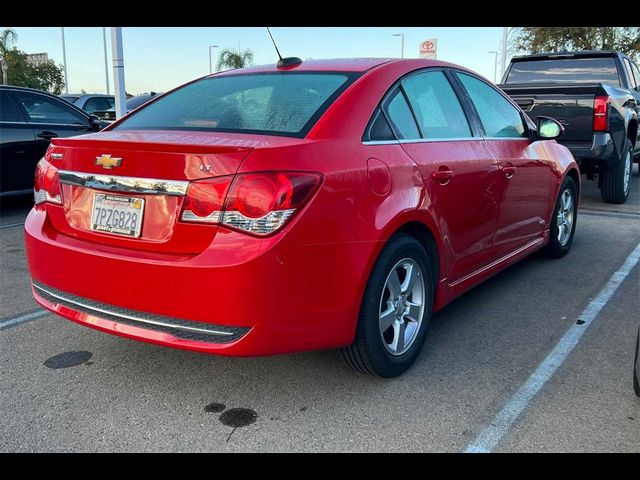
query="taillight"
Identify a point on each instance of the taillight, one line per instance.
(258, 203)
(46, 185)
(601, 113)
(205, 200)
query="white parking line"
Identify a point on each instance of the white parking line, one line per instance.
(11, 225)
(23, 318)
(493, 433)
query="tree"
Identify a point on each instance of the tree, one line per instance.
(7, 38)
(557, 39)
(46, 76)
(230, 58)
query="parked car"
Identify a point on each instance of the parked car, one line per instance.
(325, 204)
(90, 102)
(636, 367)
(133, 103)
(596, 97)
(29, 119)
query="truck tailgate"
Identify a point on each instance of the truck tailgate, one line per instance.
(570, 104)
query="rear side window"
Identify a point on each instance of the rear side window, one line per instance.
(632, 79)
(498, 116)
(565, 70)
(400, 116)
(43, 109)
(379, 129)
(8, 111)
(436, 106)
(98, 103)
(636, 73)
(282, 103)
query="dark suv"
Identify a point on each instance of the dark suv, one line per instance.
(29, 119)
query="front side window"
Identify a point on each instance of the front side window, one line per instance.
(282, 103)
(498, 116)
(42, 109)
(436, 106)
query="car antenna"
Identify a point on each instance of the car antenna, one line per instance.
(287, 61)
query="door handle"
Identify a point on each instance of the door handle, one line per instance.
(47, 135)
(442, 176)
(509, 171)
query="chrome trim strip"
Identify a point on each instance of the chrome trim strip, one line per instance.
(420, 140)
(506, 138)
(429, 140)
(151, 186)
(131, 317)
(508, 256)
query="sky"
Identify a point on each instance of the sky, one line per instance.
(161, 58)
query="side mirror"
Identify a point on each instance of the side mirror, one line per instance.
(548, 128)
(95, 123)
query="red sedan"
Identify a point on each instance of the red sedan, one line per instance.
(319, 205)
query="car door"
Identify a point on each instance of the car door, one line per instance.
(17, 166)
(50, 117)
(458, 170)
(526, 174)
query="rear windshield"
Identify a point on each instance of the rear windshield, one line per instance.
(280, 103)
(565, 70)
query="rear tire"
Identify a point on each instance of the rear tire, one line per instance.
(563, 221)
(616, 179)
(395, 310)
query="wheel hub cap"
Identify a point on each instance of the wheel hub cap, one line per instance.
(402, 306)
(564, 217)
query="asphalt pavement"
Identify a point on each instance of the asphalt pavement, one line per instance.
(64, 387)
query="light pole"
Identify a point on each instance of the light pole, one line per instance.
(106, 65)
(117, 59)
(505, 35)
(401, 35)
(64, 62)
(495, 65)
(210, 62)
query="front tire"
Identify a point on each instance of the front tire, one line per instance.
(616, 179)
(563, 221)
(395, 310)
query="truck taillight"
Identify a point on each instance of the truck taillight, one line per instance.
(257, 203)
(601, 113)
(46, 184)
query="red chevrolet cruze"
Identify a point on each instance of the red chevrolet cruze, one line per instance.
(317, 205)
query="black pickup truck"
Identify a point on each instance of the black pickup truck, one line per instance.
(596, 97)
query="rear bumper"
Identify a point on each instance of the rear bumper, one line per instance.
(272, 295)
(600, 149)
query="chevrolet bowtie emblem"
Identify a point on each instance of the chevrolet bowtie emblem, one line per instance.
(107, 161)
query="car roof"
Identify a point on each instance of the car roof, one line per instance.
(356, 65)
(86, 95)
(25, 89)
(332, 64)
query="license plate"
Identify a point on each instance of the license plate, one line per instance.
(117, 214)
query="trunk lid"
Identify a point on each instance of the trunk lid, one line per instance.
(153, 166)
